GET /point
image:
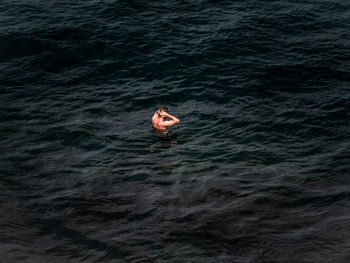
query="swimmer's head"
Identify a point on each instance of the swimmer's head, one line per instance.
(162, 110)
(165, 109)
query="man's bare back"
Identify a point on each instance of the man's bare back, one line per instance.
(159, 122)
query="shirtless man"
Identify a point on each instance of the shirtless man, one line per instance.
(158, 120)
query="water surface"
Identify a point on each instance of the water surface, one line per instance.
(257, 170)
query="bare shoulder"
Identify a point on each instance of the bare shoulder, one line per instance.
(154, 115)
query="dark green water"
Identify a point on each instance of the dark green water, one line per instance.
(257, 170)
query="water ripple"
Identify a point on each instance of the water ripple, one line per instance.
(257, 170)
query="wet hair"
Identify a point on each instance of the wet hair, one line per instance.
(163, 108)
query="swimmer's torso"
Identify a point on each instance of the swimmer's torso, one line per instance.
(157, 122)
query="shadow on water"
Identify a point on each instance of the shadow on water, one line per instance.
(164, 139)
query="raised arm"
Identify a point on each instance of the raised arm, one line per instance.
(173, 121)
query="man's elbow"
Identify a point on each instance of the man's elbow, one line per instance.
(177, 121)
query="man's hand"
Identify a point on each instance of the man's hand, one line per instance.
(161, 113)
